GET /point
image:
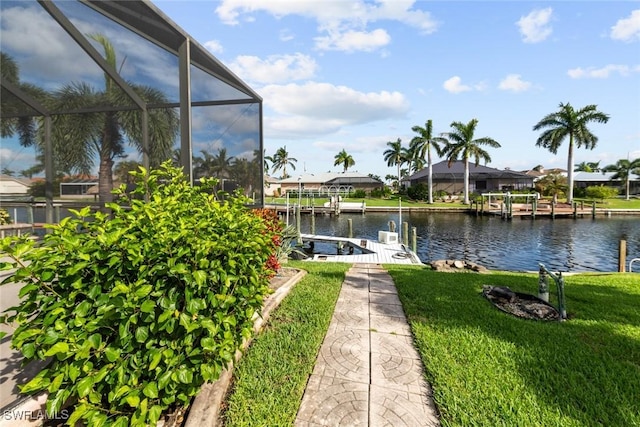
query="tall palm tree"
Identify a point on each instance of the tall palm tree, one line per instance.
(460, 143)
(281, 160)
(79, 138)
(345, 159)
(422, 144)
(395, 156)
(623, 169)
(569, 122)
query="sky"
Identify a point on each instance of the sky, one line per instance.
(354, 75)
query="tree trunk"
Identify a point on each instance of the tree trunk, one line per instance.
(466, 181)
(570, 171)
(105, 180)
(430, 180)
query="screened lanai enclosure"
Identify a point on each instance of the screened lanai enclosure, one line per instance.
(87, 84)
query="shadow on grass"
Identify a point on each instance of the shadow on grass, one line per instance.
(585, 371)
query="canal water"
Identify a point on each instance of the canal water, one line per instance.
(582, 244)
(563, 244)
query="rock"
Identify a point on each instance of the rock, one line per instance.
(450, 265)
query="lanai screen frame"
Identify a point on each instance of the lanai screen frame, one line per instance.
(146, 20)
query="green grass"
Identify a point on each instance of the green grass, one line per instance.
(271, 377)
(618, 203)
(488, 368)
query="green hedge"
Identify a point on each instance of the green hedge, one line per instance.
(139, 307)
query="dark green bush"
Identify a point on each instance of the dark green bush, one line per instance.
(138, 308)
(419, 191)
(359, 194)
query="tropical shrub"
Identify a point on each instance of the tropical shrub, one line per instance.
(359, 194)
(601, 192)
(381, 192)
(419, 191)
(137, 308)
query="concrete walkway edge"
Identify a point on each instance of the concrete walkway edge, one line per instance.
(368, 372)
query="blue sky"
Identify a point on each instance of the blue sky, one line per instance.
(354, 75)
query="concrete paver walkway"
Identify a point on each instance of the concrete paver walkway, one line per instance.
(368, 372)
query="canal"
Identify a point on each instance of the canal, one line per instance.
(582, 244)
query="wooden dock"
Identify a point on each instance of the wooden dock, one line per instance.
(539, 210)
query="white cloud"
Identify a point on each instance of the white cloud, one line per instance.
(274, 69)
(344, 22)
(627, 29)
(454, 85)
(601, 73)
(535, 26)
(213, 46)
(514, 83)
(351, 41)
(286, 35)
(314, 109)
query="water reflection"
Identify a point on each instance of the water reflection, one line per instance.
(563, 245)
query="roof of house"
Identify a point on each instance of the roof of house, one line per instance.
(331, 178)
(24, 181)
(442, 170)
(599, 176)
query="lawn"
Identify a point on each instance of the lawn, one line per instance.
(488, 368)
(271, 377)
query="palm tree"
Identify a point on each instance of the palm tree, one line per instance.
(552, 185)
(344, 159)
(79, 138)
(421, 145)
(587, 167)
(23, 126)
(461, 143)
(623, 169)
(394, 156)
(281, 160)
(569, 122)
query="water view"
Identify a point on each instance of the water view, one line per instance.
(583, 244)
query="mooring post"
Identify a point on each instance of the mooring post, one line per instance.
(392, 226)
(593, 210)
(350, 225)
(56, 210)
(299, 240)
(534, 207)
(405, 233)
(575, 210)
(543, 286)
(622, 256)
(414, 239)
(553, 210)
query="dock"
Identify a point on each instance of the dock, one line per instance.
(368, 251)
